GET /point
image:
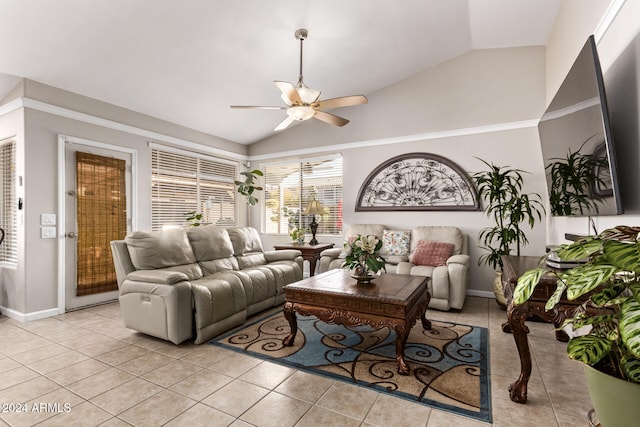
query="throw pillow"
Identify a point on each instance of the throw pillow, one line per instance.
(395, 242)
(433, 254)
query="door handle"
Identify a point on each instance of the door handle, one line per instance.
(72, 235)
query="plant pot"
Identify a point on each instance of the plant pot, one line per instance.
(498, 290)
(615, 400)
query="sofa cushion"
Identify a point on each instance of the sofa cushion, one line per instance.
(447, 234)
(395, 242)
(244, 240)
(433, 254)
(210, 242)
(163, 250)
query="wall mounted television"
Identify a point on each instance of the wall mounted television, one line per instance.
(577, 144)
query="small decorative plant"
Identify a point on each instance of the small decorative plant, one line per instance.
(363, 255)
(611, 279)
(248, 187)
(500, 188)
(194, 219)
(297, 235)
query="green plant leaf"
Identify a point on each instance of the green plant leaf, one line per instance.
(588, 349)
(630, 326)
(590, 320)
(631, 369)
(608, 294)
(554, 299)
(580, 249)
(582, 280)
(625, 256)
(526, 284)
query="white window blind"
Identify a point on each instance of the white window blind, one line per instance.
(289, 187)
(183, 183)
(8, 202)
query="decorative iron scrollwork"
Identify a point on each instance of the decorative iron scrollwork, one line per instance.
(417, 182)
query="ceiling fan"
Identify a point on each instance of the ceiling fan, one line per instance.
(303, 102)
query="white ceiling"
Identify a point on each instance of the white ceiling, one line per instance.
(187, 61)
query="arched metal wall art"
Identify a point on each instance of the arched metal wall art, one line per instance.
(418, 182)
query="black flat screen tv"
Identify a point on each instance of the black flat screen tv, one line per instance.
(577, 144)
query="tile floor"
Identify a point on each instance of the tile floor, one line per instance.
(85, 369)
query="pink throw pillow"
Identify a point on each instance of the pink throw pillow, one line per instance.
(433, 254)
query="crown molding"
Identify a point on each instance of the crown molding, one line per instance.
(110, 124)
(500, 127)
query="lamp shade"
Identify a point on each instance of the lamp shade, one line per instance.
(301, 112)
(314, 208)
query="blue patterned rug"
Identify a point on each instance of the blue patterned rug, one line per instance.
(449, 363)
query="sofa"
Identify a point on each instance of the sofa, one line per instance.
(200, 281)
(439, 252)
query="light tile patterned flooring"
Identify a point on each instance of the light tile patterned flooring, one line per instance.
(85, 368)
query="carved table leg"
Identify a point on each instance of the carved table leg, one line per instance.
(402, 333)
(517, 316)
(506, 328)
(290, 315)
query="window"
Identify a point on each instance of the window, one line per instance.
(289, 187)
(8, 202)
(184, 182)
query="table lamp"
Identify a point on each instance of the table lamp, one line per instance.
(314, 208)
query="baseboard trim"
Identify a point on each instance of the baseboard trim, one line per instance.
(483, 294)
(27, 317)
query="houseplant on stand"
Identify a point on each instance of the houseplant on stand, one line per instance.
(500, 190)
(610, 349)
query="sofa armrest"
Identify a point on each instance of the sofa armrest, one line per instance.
(283, 255)
(458, 259)
(404, 267)
(332, 253)
(163, 277)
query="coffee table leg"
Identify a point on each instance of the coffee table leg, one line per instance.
(401, 339)
(426, 323)
(290, 315)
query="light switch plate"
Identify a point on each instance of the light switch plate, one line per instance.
(47, 219)
(48, 232)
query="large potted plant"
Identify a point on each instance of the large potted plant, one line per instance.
(610, 349)
(500, 190)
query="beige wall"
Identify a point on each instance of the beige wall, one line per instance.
(12, 279)
(445, 110)
(33, 288)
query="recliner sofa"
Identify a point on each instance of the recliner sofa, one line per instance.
(200, 281)
(449, 281)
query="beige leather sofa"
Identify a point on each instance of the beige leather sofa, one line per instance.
(200, 281)
(449, 282)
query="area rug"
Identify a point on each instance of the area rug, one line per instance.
(449, 363)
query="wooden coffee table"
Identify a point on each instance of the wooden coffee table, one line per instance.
(391, 300)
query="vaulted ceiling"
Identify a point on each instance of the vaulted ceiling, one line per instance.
(187, 61)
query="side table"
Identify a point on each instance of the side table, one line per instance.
(310, 253)
(513, 268)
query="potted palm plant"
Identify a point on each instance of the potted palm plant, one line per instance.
(610, 349)
(500, 190)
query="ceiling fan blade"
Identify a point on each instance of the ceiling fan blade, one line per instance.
(258, 107)
(345, 101)
(289, 92)
(285, 123)
(332, 119)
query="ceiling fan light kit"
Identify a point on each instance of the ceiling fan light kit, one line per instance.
(303, 102)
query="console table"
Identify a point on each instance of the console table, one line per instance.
(310, 253)
(513, 268)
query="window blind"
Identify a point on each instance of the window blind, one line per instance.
(8, 202)
(290, 187)
(183, 183)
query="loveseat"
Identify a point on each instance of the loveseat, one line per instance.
(439, 252)
(200, 281)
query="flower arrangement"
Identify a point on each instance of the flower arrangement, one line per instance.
(363, 255)
(297, 235)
